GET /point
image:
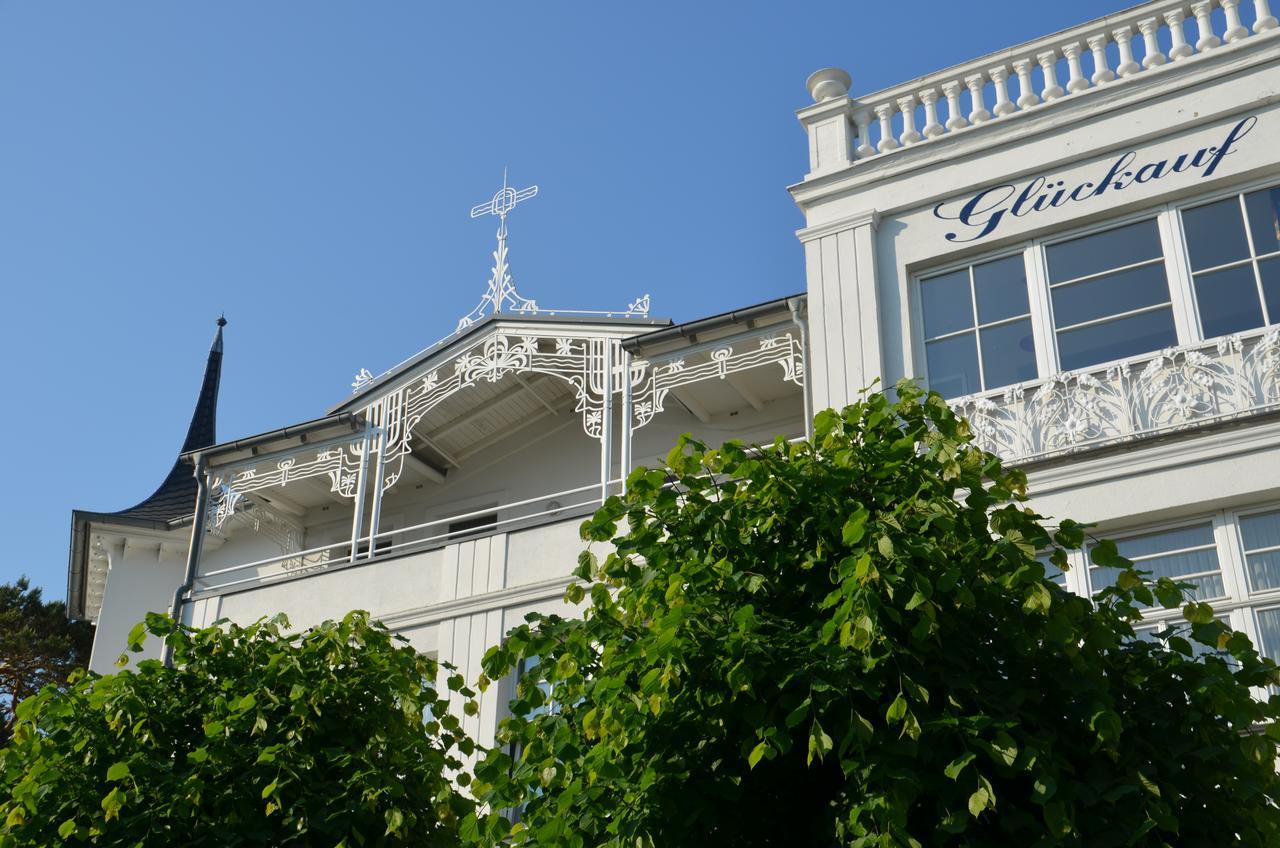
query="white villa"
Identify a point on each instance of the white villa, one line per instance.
(1076, 240)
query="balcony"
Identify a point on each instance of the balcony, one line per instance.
(1172, 390)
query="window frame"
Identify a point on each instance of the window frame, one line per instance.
(1175, 252)
(1221, 545)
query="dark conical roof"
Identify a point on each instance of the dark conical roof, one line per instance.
(176, 496)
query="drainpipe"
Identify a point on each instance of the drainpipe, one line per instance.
(796, 306)
(193, 551)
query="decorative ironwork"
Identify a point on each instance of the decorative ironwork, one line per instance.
(502, 289)
(783, 349)
(1154, 393)
(363, 378)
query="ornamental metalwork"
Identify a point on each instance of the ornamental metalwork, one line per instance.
(650, 391)
(501, 292)
(1151, 394)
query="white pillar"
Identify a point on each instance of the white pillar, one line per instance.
(862, 120)
(606, 418)
(1179, 48)
(1205, 39)
(1149, 27)
(375, 514)
(955, 114)
(362, 475)
(625, 435)
(1124, 42)
(887, 142)
(907, 106)
(1000, 81)
(1102, 73)
(1265, 20)
(828, 122)
(1049, 64)
(932, 129)
(1077, 82)
(979, 113)
(1026, 88)
(1235, 29)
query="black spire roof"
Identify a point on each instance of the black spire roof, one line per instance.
(176, 496)
(175, 499)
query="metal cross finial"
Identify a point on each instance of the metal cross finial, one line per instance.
(502, 290)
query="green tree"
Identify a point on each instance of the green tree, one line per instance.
(258, 736)
(851, 642)
(38, 647)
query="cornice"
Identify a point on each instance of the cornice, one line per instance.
(848, 222)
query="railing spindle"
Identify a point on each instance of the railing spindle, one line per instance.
(1205, 39)
(907, 106)
(1102, 73)
(955, 115)
(1235, 29)
(1124, 42)
(979, 113)
(1049, 64)
(932, 129)
(887, 142)
(1026, 88)
(1000, 82)
(1077, 83)
(1265, 20)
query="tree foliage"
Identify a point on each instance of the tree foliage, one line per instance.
(38, 647)
(851, 642)
(258, 736)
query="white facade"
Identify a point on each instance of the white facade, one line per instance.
(960, 228)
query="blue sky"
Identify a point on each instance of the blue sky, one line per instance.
(307, 167)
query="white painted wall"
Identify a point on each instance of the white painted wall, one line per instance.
(141, 579)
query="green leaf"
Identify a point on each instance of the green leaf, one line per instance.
(67, 828)
(820, 743)
(118, 771)
(270, 788)
(137, 635)
(855, 526)
(897, 710)
(956, 766)
(757, 753)
(979, 801)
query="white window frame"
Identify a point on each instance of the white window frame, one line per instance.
(1216, 520)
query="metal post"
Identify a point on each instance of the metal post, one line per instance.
(357, 521)
(626, 417)
(798, 316)
(193, 552)
(606, 420)
(375, 516)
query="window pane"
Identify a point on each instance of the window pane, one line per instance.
(1103, 251)
(1152, 552)
(1008, 353)
(1264, 570)
(1152, 544)
(953, 366)
(1109, 295)
(1269, 633)
(1117, 339)
(1215, 234)
(1228, 301)
(1052, 572)
(946, 303)
(1001, 288)
(1269, 271)
(1260, 531)
(1264, 219)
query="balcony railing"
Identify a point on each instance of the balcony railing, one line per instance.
(1104, 52)
(1174, 389)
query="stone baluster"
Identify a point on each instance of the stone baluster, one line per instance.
(955, 115)
(1180, 49)
(907, 106)
(931, 129)
(1000, 82)
(1149, 27)
(1102, 73)
(1235, 29)
(1049, 64)
(1026, 88)
(1205, 39)
(887, 142)
(1124, 41)
(979, 113)
(862, 120)
(1077, 83)
(1265, 20)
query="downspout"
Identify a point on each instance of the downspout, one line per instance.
(193, 552)
(796, 306)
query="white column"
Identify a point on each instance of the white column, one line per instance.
(979, 113)
(1124, 42)
(955, 114)
(1205, 39)
(375, 515)
(362, 476)
(1077, 82)
(932, 129)
(1026, 88)
(626, 418)
(606, 418)
(887, 142)
(862, 120)
(907, 106)
(1235, 29)
(1000, 81)
(1049, 64)
(1179, 48)
(1150, 27)
(1265, 20)
(1102, 73)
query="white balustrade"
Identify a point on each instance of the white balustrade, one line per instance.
(874, 114)
(1175, 389)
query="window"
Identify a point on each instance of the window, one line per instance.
(1110, 295)
(1260, 538)
(1051, 571)
(977, 326)
(465, 528)
(1233, 248)
(1184, 554)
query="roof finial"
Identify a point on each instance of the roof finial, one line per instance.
(222, 320)
(502, 289)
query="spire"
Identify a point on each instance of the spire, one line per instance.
(176, 496)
